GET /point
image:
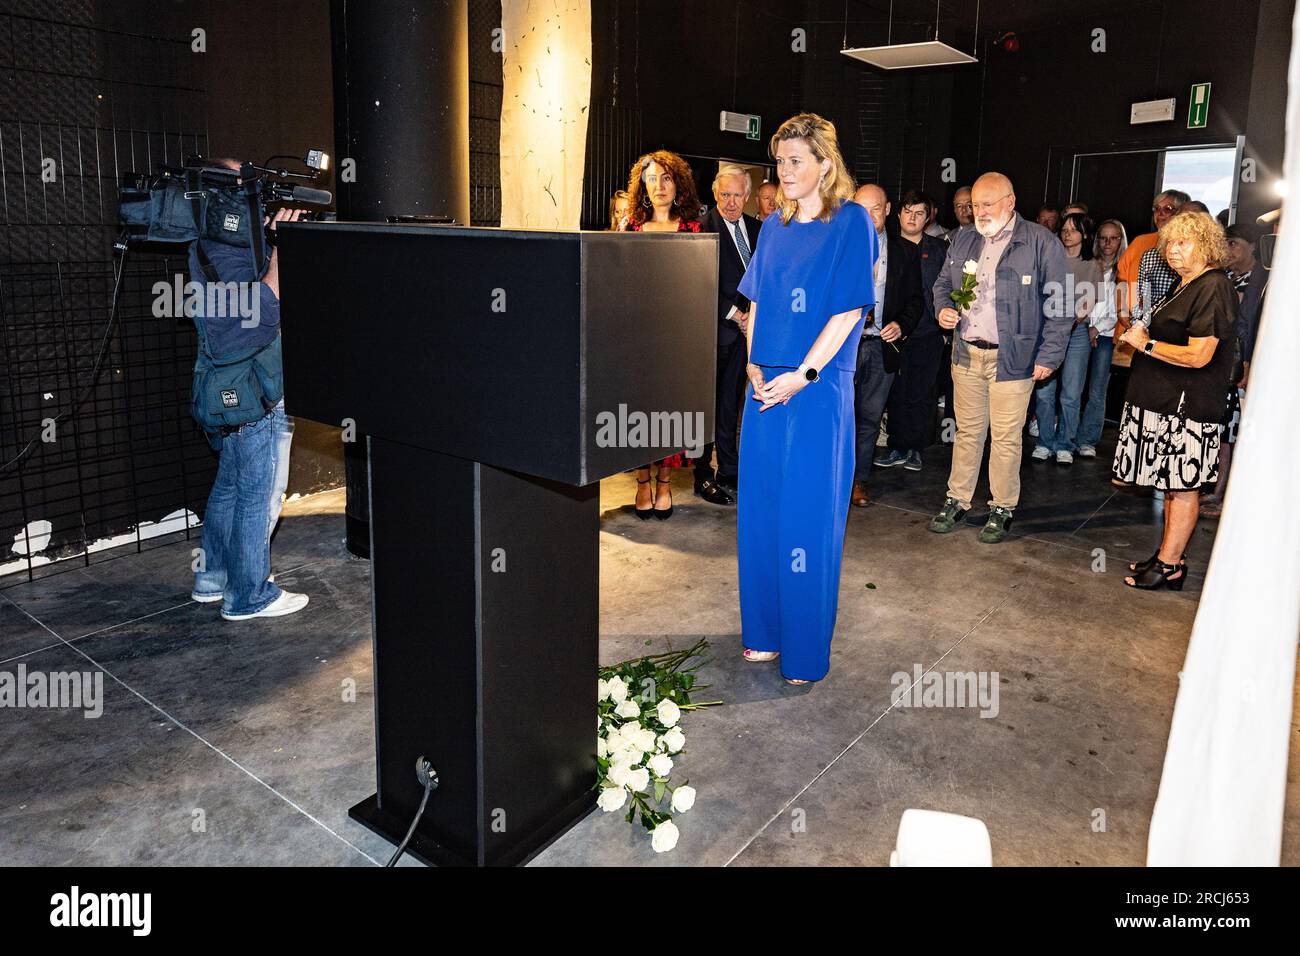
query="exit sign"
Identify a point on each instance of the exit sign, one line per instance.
(752, 132)
(1198, 106)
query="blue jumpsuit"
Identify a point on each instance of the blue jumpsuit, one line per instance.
(797, 460)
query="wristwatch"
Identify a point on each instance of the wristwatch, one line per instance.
(808, 372)
(1150, 347)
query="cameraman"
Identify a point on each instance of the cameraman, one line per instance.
(244, 504)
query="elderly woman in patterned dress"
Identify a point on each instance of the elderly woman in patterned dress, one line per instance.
(1182, 365)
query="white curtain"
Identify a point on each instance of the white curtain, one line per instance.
(546, 68)
(1223, 788)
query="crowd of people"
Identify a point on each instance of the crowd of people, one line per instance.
(876, 316)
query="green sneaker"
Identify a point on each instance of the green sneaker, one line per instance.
(948, 518)
(996, 528)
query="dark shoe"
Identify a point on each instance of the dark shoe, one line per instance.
(711, 492)
(729, 483)
(663, 514)
(890, 459)
(859, 497)
(1160, 575)
(1139, 566)
(644, 513)
(948, 519)
(913, 462)
(996, 528)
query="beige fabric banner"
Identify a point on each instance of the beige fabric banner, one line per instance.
(546, 64)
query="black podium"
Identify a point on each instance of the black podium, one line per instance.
(487, 366)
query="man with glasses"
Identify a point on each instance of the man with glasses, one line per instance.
(961, 208)
(1137, 294)
(1004, 342)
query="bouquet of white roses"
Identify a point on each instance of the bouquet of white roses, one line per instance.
(638, 734)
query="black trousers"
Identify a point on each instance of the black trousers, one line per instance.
(732, 360)
(912, 398)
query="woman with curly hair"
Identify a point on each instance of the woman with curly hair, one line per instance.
(810, 284)
(1182, 365)
(661, 198)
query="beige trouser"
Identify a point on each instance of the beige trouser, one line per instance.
(981, 403)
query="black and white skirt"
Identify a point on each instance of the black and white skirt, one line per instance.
(1167, 452)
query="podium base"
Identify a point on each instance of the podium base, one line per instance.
(430, 853)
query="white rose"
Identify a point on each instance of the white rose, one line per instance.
(683, 799)
(669, 713)
(611, 799)
(664, 837)
(644, 739)
(661, 764)
(970, 267)
(638, 779)
(674, 740)
(619, 771)
(628, 708)
(602, 689)
(617, 690)
(602, 749)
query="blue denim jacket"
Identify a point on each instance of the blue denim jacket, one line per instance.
(1031, 268)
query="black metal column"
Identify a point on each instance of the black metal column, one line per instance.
(401, 132)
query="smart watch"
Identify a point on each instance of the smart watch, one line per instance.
(808, 372)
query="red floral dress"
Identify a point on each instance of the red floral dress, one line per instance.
(681, 459)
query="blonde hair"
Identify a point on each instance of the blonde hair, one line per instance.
(613, 206)
(729, 170)
(1203, 230)
(837, 185)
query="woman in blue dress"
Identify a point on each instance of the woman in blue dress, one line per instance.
(810, 282)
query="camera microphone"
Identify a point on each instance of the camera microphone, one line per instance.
(316, 197)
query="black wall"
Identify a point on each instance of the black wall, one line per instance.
(1057, 97)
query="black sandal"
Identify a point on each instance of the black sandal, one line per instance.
(644, 513)
(1159, 576)
(1151, 562)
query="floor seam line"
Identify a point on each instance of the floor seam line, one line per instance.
(199, 737)
(856, 740)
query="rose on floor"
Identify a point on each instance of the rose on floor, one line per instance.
(639, 706)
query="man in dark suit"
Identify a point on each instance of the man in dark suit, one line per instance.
(737, 239)
(892, 319)
(912, 396)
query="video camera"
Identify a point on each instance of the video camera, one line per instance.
(203, 200)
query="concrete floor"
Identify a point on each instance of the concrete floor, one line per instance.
(225, 744)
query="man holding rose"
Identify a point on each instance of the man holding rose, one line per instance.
(1010, 334)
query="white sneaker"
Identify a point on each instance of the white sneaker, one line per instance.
(1041, 453)
(1087, 451)
(287, 603)
(1063, 457)
(1033, 428)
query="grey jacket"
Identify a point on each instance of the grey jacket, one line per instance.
(1032, 268)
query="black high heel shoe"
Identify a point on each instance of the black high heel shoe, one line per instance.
(667, 512)
(1160, 575)
(644, 513)
(1151, 562)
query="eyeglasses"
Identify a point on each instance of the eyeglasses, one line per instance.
(988, 206)
(961, 205)
(1165, 208)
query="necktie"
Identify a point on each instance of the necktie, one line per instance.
(741, 243)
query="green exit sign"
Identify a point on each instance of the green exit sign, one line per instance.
(1198, 106)
(752, 132)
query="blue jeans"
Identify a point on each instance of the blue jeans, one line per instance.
(242, 510)
(1057, 434)
(1094, 412)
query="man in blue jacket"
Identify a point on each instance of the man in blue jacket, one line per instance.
(1013, 335)
(244, 504)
